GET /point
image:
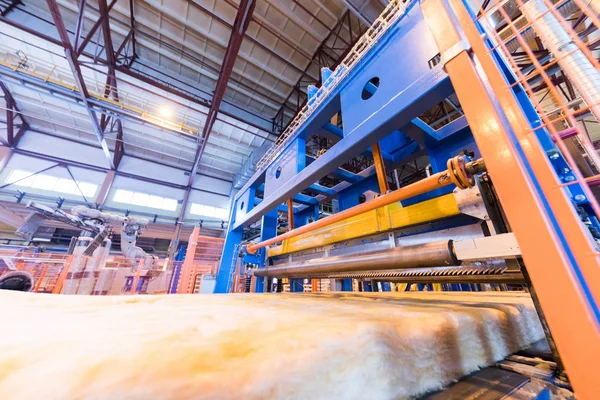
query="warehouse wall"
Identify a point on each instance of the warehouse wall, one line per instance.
(87, 163)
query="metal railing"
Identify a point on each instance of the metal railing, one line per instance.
(394, 10)
(18, 60)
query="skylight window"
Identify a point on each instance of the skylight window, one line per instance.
(144, 200)
(51, 183)
(208, 211)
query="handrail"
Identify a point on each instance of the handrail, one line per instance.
(393, 11)
(19, 61)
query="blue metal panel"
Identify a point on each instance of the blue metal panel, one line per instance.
(401, 156)
(398, 66)
(339, 173)
(394, 142)
(416, 90)
(244, 203)
(291, 161)
(307, 215)
(349, 197)
(346, 285)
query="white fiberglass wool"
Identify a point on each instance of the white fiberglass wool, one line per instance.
(254, 346)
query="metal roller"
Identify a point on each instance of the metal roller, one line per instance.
(434, 254)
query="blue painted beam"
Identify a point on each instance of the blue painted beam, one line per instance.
(339, 173)
(337, 131)
(322, 189)
(432, 87)
(453, 127)
(298, 198)
(405, 152)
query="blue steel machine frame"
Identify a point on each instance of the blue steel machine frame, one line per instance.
(401, 69)
(389, 117)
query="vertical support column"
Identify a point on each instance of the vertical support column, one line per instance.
(105, 189)
(380, 169)
(315, 284)
(268, 231)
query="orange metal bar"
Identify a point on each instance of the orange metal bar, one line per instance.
(428, 184)
(63, 275)
(138, 272)
(186, 269)
(38, 283)
(493, 119)
(380, 169)
(193, 279)
(290, 206)
(315, 285)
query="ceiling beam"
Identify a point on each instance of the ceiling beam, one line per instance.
(154, 81)
(250, 38)
(88, 37)
(240, 25)
(76, 70)
(111, 78)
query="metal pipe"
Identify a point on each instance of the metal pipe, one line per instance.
(434, 254)
(435, 181)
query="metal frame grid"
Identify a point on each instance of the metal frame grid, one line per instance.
(564, 122)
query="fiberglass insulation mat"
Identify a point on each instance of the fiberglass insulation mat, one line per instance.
(254, 346)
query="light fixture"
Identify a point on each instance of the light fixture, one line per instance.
(165, 112)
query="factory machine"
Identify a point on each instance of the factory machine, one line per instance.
(508, 197)
(87, 273)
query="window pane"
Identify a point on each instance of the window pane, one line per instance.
(209, 211)
(44, 182)
(169, 204)
(222, 213)
(196, 209)
(66, 186)
(139, 199)
(17, 174)
(155, 202)
(88, 189)
(123, 196)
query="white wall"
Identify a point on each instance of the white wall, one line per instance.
(149, 169)
(61, 148)
(212, 185)
(32, 164)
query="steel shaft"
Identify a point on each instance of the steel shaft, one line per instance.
(434, 254)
